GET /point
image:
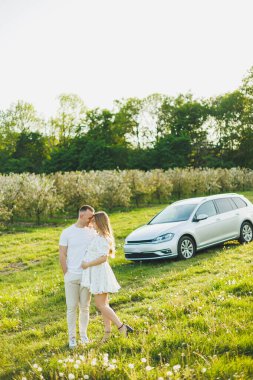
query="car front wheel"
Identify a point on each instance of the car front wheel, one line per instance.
(246, 233)
(186, 247)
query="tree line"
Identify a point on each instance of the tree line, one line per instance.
(158, 131)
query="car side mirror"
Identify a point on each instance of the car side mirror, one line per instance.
(200, 217)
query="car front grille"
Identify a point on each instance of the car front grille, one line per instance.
(139, 241)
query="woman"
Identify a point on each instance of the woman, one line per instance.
(98, 276)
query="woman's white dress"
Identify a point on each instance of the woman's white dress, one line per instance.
(99, 278)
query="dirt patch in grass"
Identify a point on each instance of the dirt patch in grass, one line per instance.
(13, 267)
(16, 267)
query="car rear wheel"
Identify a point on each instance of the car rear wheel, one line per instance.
(186, 248)
(246, 234)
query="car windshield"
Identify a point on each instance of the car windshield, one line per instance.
(174, 213)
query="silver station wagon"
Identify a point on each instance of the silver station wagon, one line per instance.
(190, 225)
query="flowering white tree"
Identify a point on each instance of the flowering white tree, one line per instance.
(5, 214)
(39, 196)
(73, 189)
(115, 190)
(162, 183)
(10, 189)
(182, 182)
(237, 179)
(141, 185)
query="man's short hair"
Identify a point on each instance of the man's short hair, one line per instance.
(85, 208)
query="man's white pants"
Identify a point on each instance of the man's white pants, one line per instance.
(76, 295)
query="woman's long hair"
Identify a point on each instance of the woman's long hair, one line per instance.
(105, 229)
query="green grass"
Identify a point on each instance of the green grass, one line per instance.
(194, 313)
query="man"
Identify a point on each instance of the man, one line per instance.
(74, 241)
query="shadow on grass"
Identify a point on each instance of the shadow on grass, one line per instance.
(174, 263)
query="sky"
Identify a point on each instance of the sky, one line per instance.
(104, 50)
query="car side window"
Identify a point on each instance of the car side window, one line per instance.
(207, 208)
(224, 205)
(240, 203)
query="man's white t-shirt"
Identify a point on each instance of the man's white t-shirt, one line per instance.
(77, 240)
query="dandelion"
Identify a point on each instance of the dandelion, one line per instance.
(61, 374)
(106, 359)
(86, 377)
(144, 360)
(35, 366)
(78, 361)
(60, 361)
(169, 373)
(71, 360)
(111, 367)
(148, 368)
(176, 367)
(160, 378)
(71, 376)
(131, 365)
(203, 370)
(39, 369)
(94, 361)
(76, 366)
(114, 360)
(81, 357)
(24, 378)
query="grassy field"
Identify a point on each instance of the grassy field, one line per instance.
(192, 319)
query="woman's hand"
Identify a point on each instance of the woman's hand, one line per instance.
(84, 265)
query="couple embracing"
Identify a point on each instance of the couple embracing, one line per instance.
(84, 251)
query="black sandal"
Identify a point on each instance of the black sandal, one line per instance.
(128, 328)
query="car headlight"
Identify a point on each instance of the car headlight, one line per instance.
(165, 237)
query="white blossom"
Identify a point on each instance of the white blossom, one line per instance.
(176, 367)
